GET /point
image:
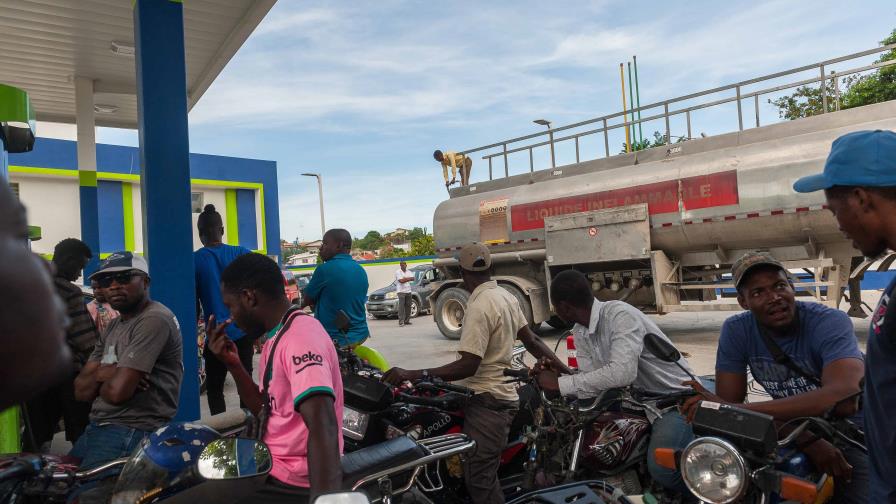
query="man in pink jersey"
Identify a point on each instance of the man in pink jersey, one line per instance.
(305, 387)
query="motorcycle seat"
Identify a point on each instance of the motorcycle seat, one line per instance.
(373, 459)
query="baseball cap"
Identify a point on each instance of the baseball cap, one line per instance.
(122, 261)
(749, 261)
(861, 158)
(474, 257)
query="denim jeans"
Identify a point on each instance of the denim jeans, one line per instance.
(104, 443)
(670, 431)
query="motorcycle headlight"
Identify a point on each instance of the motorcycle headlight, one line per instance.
(354, 423)
(392, 295)
(713, 470)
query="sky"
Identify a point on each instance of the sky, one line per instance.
(364, 92)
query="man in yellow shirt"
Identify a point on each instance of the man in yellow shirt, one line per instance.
(492, 322)
(456, 162)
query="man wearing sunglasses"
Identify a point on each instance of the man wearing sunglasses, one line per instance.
(133, 376)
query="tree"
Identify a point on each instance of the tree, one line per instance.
(854, 91)
(423, 246)
(416, 234)
(373, 240)
(659, 140)
(388, 251)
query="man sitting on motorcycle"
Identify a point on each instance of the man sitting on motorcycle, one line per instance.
(609, 338)
(299, 402)
(492, 322)
(805, 356)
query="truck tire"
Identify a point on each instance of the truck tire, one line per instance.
(451, 305)
(525, 304)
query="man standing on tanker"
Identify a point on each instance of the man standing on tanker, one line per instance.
(455, 162)
(493, 320)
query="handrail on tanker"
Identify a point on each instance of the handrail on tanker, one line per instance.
(666, 113)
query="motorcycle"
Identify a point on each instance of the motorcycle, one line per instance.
(32, 478)
(375, 412)
(605, 437)
(738, 456)
(222, 472)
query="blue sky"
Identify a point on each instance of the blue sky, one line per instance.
(363, 92)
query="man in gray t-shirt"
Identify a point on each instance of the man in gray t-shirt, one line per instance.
(133, 376)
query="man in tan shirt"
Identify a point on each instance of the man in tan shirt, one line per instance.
(492, 322)
(456, 162)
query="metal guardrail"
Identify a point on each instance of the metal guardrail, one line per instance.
(666, 114)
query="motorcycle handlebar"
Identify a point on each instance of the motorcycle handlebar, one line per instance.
(448, 387)
(442, 402)
(520, 374)
(19, 468)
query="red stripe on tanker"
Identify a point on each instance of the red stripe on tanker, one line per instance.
(704, 191)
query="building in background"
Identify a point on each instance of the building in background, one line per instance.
(244, 191)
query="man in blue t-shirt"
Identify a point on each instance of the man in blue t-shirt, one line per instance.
(210, 261)
(340, 283)
(826, 364)
(859, 182)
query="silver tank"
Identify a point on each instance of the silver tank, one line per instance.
(731, 191)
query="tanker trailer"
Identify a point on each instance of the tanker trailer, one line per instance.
(657, 228)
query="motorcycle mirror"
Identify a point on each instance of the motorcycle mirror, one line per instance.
(342, 498)
(661, 349)
(234, 458)
(342, 321)
(665, 351)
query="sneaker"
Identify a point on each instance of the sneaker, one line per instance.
(400, 324)
(407, 323)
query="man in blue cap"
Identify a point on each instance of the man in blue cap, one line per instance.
(859, 181)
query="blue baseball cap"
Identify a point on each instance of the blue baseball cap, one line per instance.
(861, 158)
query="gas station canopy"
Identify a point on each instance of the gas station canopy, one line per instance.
(45, 44)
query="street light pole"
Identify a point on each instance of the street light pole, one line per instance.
(320, 192)
(545, 122)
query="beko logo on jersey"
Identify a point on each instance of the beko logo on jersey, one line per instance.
(307, 360)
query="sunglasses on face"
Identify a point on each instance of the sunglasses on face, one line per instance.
(104, 282)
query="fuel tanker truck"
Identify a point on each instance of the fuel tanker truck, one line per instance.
(659, 228)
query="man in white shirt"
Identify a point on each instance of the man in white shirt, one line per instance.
(609, 338)
(403, 279)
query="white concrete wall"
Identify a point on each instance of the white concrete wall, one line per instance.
(53, 204)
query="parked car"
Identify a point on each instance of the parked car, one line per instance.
(383, 303)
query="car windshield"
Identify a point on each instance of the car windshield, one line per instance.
(303, 281)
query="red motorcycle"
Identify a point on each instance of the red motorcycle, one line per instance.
(375, 412)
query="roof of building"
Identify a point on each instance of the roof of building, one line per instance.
(47, 43)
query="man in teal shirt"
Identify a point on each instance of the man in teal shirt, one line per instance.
(339, 283)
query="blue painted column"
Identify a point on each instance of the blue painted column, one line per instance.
(4, 161)
(165, 175)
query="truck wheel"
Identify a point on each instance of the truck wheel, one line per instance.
(558, 323)
(449, 312)
(525, 304)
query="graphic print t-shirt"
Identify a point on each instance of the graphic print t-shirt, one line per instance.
(824, 335)
(880, 398)
(305, 364)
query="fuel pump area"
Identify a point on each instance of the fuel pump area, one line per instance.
(140, 65)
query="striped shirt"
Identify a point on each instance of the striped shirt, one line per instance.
(81, 334)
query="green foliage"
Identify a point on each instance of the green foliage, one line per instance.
(373, 240)
(855, 90)
(423, 246)
(388, 251)
(659, 140)
(416, 234)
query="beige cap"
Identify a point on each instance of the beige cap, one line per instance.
(749, 261)
(474, 257)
